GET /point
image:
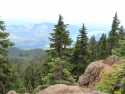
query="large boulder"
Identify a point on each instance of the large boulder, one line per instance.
(65, 89)
(94, 69)
(12, 92)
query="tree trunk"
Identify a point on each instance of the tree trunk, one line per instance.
(4, 92)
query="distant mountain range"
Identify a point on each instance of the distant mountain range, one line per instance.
(31, 36)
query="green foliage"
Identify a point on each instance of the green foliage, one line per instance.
(93, 48)
(38, 88)
(16, 59)
(29, 75)
(110, 85)
(28, 87)
(57, 74)
(29, 54)
(81, 56)
(60, 37)
(121, 33)
(121, 50)
(21, 89)
(103, 49)
(113, 35)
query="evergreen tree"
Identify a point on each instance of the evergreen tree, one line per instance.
(103, 49)
(113, 35)
(81, 54)
(29, 75)
(8, 79)
(122, 33)
(58, 73)
(93, 48)
(120, 51)
(29, 86)
(38, 77)
(60, 39)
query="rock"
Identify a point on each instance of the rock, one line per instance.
(113, 60)
(94, 69)
(12, 92)
(65, 89)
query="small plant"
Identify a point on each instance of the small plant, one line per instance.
(112, 85)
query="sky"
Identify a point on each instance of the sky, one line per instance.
(73, 11)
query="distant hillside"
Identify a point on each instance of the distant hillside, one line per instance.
(31, 36)
(16, 52)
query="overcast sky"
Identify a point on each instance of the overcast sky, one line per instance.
(73, 11)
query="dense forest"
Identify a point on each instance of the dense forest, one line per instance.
(17, 55)
(33, 70)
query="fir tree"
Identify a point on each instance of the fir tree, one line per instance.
(120, 52)
(60, 39)
(93, 48)
(113, 35)
(8, 79)
(103, 49)
(81, 54)
(29, 75)
(121, 33)
(29, 86)
(58, 73)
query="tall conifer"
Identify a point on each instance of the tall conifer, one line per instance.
(121, 33)
(103, 49)
(60, 39)
(81, 54)
(8, 79)
(93, 47)
(113, 35)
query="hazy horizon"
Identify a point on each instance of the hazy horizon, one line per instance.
(73, 11)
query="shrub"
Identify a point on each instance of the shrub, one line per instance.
(112, 85)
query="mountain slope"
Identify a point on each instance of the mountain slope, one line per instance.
(31, 36)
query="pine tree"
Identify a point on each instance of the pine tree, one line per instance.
(93, 47)
(60, 39)
(113, 35)
(103, 49)
(81, 54)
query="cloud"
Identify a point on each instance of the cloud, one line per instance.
(16, 38)
(28, 26)
(91, 33)
(13, 37)
(35, 21)
(43, 26)
(47, 45)
(39, 34)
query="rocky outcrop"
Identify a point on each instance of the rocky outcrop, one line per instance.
(65, 89)
(94, 69)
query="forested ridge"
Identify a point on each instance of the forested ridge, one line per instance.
(34, 70)
(17, 55)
